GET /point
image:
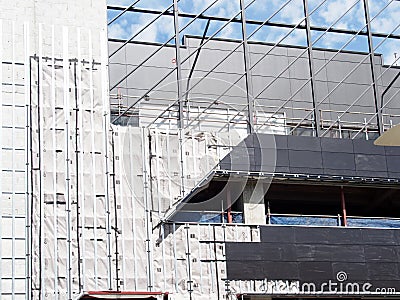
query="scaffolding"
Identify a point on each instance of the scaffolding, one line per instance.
(308, 109)
(100, 150)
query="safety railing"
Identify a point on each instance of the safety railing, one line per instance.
(243, 15)
(329, 220)
(236, 217)
(232, 116)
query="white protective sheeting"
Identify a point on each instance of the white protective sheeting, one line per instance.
(181, 259)
(72, 243)
(82, 200)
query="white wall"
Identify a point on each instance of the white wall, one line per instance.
(64, 29)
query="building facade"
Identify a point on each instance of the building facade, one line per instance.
(198, 151)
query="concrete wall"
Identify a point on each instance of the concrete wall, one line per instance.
(58, 31)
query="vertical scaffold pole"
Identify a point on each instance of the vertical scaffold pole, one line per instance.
(372, 66)
(317, 117)
(247, 70)
(343, 201)
(178, 65)
(181, 118)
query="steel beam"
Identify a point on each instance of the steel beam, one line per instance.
(372, 66)
(247, 70)
(254, 22)
(178, 66)
(317, 120)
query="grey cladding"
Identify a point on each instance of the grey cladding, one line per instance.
(315, 254)
(314, 156)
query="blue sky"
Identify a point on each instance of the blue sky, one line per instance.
(325, 13)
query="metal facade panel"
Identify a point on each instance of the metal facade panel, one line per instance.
(305, 159)
(338, 161)
(315, 254)
(337, 145)
(304, 143)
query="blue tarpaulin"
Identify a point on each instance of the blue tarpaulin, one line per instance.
(373, 222)
(304, 220)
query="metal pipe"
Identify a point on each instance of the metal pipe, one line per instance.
(169, 73)
(139, 32)
(322, 67)
(80, 200)
(178, 65)
(189, 263)
(389, 86)
(251, 22)
(317, 118)
(66, 103)
(358, 98)
(159, 48)
(229, 205)
(262, 57)
(209, 72)
(390, 100)
(145, 160)
(40, 159)
(195, 60)
(115, 197)
(93, 177)
(55, 213)
(27, 153)
(124, 11)
(247, 70)
(237, 47)
(347, 76)
(31, 183)
(372, 66)
(343, 203)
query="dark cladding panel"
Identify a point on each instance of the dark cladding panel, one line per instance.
(304, 143)
(354, 270)
(338, 161)
(367, 147)
(281, 142)
(380, 237)
(314, 235)
(325, 235)
(312, 270)
(282, 158)
(346, 236)
(311, 252)
(268, 234)
(268, 141)
(280, 270)
(238, 270)
(318, 254)
(383, 271)
(348, 253)
(370, 162)
(305, 159)
(313, 156)
(393, 163)
(392, 151)
(337, 145)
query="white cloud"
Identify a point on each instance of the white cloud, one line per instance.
(261, 10)
(335, 10)
(390, 52)
(118, 30)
